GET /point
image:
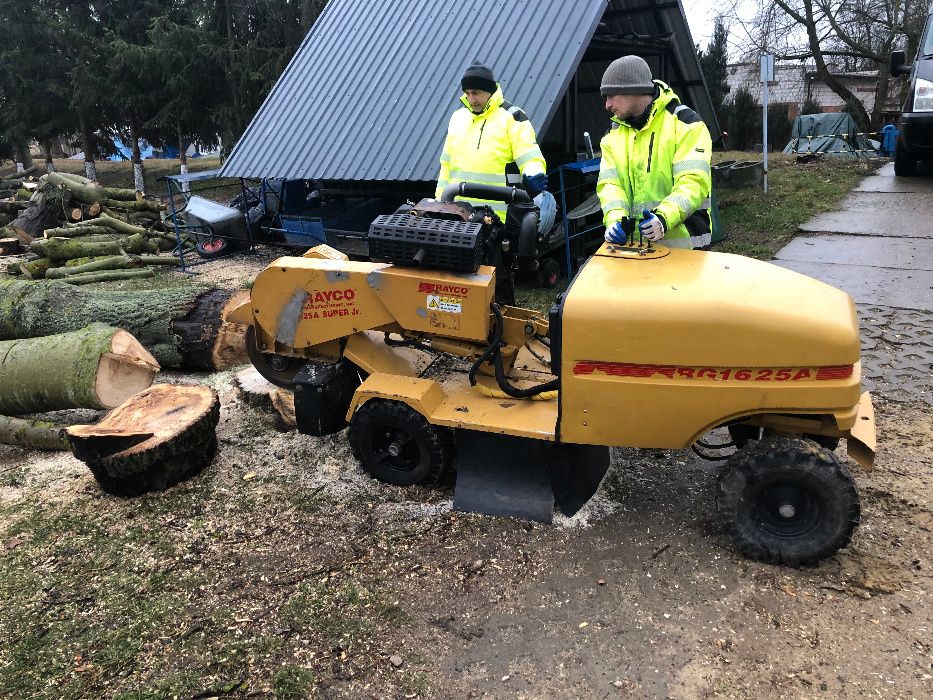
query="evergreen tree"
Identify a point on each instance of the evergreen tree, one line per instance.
(714, 63)
(745, 120)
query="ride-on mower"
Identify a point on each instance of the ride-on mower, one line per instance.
(648, 347)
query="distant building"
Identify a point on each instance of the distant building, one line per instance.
(795, 82)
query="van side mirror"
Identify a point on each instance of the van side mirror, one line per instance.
(899, 64)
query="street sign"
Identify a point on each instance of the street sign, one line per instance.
(767, 68)
(767, 76)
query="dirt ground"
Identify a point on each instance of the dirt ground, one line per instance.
(284, 571)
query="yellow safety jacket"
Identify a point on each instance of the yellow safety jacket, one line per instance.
(479, 146)
(663, 167)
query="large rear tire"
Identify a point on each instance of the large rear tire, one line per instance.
(787, 501)
(905, 164)
(397, 445)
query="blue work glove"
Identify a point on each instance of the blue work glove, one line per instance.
(535, 184)
(651, 227)
(616, 234)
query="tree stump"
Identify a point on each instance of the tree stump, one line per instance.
(154, 440)
(9, 246)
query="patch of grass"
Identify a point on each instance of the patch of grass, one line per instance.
(343, 613)
(293, 683)
(758, 224)
(530, 296)
(80, 600)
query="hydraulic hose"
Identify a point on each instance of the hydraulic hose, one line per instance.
(495, 350)
(498, 193)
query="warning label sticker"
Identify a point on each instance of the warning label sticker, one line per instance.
(452, 305)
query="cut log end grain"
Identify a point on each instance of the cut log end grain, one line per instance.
(124, 371)
(157, 438)
(9, 246)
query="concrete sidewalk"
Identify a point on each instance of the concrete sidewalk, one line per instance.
(878, 247)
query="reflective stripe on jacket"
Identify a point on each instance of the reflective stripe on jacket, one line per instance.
(663, 167)
(479, 146)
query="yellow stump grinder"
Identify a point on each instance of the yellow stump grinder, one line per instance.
(648, 347)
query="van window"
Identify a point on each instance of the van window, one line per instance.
(927, 45)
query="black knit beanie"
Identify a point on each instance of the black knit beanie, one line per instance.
(478, 77)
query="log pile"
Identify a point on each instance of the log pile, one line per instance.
(10, 183)
(70, 216)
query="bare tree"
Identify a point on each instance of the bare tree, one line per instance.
(857, 34)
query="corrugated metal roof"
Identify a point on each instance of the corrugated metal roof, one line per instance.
(368, 94)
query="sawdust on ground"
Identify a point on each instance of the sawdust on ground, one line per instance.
(639, 595)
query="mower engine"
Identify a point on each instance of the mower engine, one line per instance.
(456, 236)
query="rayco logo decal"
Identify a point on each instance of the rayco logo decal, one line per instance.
(330, 303)
(437, 288)
(722, 374)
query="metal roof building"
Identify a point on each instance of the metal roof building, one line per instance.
(368, 95)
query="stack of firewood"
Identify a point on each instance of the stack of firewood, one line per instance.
(80, 232)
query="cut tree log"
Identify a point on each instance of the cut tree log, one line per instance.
(144, 205)
(77, 178)
(85, 211)
(86, 228)
(113, 222)
(119, 193)
(109, 276)
(35, 434)
(9, 246)
(181, 326)
(84, 261)
(69, 248)
(156, 439)
(45, 210)
(36, 269)
(113, 262)
(86, 193)
(98, 366)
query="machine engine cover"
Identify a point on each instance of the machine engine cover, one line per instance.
(444, 244)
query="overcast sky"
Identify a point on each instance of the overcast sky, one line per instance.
(701, 14)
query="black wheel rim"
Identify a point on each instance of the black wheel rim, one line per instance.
(396, 449)
(788, 510)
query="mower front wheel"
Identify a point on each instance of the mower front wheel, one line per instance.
(395, 443)
(787, 501)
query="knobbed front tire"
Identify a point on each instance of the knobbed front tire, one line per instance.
(787, 501)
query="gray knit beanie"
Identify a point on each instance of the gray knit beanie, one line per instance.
(478, 77)
(629, 75)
